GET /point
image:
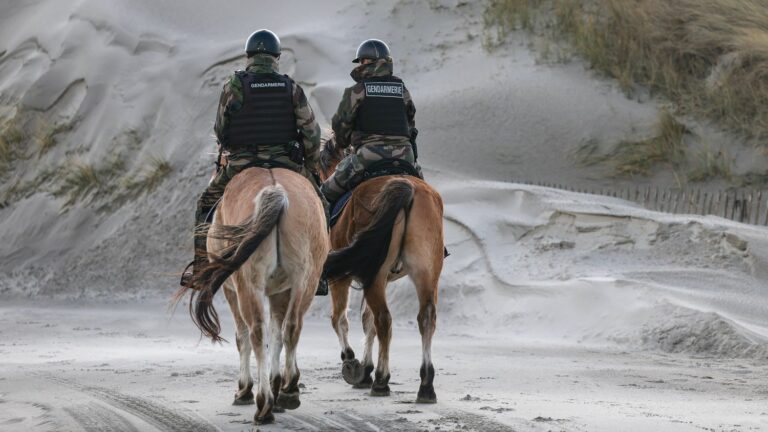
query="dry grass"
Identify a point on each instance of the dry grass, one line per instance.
(79, 181)
(130, 187)
(506, 16)
(104, 185)
(11, 139)
(46, 139)
(708, 56)
(152, 174)
(25, 188)
(711, 165)
(639, 158)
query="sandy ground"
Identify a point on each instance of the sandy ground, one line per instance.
(130, 367)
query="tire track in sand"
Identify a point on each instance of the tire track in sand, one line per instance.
(94, 417)
(164, 418)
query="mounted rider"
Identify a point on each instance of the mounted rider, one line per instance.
(375, 117)
(263, 120)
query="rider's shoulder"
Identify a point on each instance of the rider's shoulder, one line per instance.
(233, 81)
(357, 88)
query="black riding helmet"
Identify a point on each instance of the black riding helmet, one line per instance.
(262, 42)
(372, 49)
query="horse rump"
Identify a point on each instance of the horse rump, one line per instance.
(242, 240)
(364, 256)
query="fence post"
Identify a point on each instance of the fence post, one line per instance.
(646, 196)
(765, 220)
(695, 209)
(748, 205)
(683, 200)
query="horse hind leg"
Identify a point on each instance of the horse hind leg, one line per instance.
(244, 394)
(278, 306)
(426, 288)
(375, 297)
(340, 324)
(289, 394)
(252, 312)
(359, 375)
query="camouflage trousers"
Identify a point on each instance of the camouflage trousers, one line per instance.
(349, 172)
(215, 190)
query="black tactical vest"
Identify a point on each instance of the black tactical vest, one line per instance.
(382, 110)
(266, 117)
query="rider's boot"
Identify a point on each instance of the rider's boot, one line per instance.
(322, 287)
(201, 258)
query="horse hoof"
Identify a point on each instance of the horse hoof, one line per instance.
(289, 400)
(267, 419)
(352, 371)
(243, 400)
(277, 409)
(366, 383)
(426, 395)
(380, 391)
(426, 400)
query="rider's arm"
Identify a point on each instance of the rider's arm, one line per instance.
(344, 120)
(230, 101)
(410, 109)
(308, 127)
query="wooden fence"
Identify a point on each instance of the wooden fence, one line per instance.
(742, 205)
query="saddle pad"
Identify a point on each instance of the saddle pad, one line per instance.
(381, 168)
(339, 206)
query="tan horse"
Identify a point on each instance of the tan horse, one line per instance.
(392, 227)
(268, 243)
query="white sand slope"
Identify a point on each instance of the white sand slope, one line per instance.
(599, 270)
(141, 79)
(570, 311)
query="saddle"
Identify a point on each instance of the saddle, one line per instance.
(381, 168)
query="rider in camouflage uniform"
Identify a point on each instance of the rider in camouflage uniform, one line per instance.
(250, 131)
(375, 117)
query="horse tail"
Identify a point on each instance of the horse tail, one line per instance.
(365, 255)
(243, 240)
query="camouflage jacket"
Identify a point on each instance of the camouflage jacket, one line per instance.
(344, 120)
(231, 100)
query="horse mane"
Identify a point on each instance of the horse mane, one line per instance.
(329, 153)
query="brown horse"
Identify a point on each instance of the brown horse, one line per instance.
(268, 243)
(392, 227)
